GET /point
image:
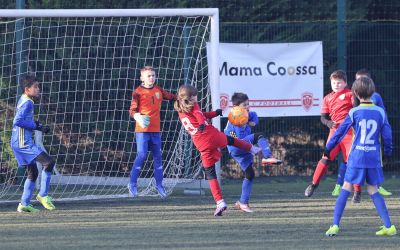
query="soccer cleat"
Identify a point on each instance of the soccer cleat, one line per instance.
(46, 201)
(244, 207)
(271, 160)
(387, 231)
(332, 231)
(255, 150)
(221, 207)
(161, 192)
(310, 190)
(27, 209)
(384, 192)
(356, 197)
(133, 191)
(336, 191)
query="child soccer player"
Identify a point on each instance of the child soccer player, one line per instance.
(206, 138)
(27, 152)
(377, 100)
(369, 123)
(244, 158)
(145, 109)
(336, 105)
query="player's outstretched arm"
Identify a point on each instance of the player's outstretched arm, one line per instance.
(340, 133)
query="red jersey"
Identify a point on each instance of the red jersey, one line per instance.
(147, 101)
(210, 141)
(338, 105)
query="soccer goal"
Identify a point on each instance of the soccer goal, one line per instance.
(88, 63)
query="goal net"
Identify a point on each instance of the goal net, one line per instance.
(88, 63)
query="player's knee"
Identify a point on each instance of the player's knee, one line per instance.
(258, 136)
(32, 172)
(46, 161)
(141, 156)
(249, 173)
(210, 173)
(324, 161)
(157, 158)
(49, 166)
(231, 140)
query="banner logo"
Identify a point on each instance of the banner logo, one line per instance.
(224, 101)
(307, 100)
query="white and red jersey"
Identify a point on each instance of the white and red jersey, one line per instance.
(210, 141)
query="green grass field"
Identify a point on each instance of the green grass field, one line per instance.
(283, 219)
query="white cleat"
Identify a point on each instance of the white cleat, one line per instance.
(271, 160)
(244, 207)
(221, 207)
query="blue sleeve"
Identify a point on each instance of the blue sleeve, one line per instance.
(341, 131)
(386, 133)
(377, 100)
(21, 114)
(253, 117)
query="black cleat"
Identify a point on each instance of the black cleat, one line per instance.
(310, 190)
(356, 197)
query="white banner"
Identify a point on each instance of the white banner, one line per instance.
(281, 79)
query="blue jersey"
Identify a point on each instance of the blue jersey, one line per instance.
(377, 100)
(369, 122)
(241, 131)
(22, 142)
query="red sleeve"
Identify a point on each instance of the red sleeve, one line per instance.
(167, 95)
(325, 106)
(198, 114)
(210, 115)
(134, 103)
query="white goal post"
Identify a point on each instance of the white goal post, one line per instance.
(88, 63)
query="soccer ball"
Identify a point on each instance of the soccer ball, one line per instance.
(238, 116)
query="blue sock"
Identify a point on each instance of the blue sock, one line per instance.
(247, 186)
(341, 173)
(380, 205)
(158, 168)
(158, 175)
(340, 205)
(135, 172)
(29, 186)
(45, 183)
(263, 144)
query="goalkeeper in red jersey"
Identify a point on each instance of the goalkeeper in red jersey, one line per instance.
(335, 107)
(206, 138)
(145, 109)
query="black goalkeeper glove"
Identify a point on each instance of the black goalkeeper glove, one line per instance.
(201, 128)
(44, 128)
(219, 112)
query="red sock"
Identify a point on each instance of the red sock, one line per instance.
(320, 170)
(215, 189)
(357, 188)
(242, 144)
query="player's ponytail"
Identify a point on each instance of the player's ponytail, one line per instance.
(183, 101)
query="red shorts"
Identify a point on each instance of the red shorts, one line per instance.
(210, 150)
(344, 145)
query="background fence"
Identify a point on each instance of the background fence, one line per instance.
(355, 35)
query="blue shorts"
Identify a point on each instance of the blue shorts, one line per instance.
(242, 157)
(27, 154)
(148, 141)
(373, 176)
(244, 160)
